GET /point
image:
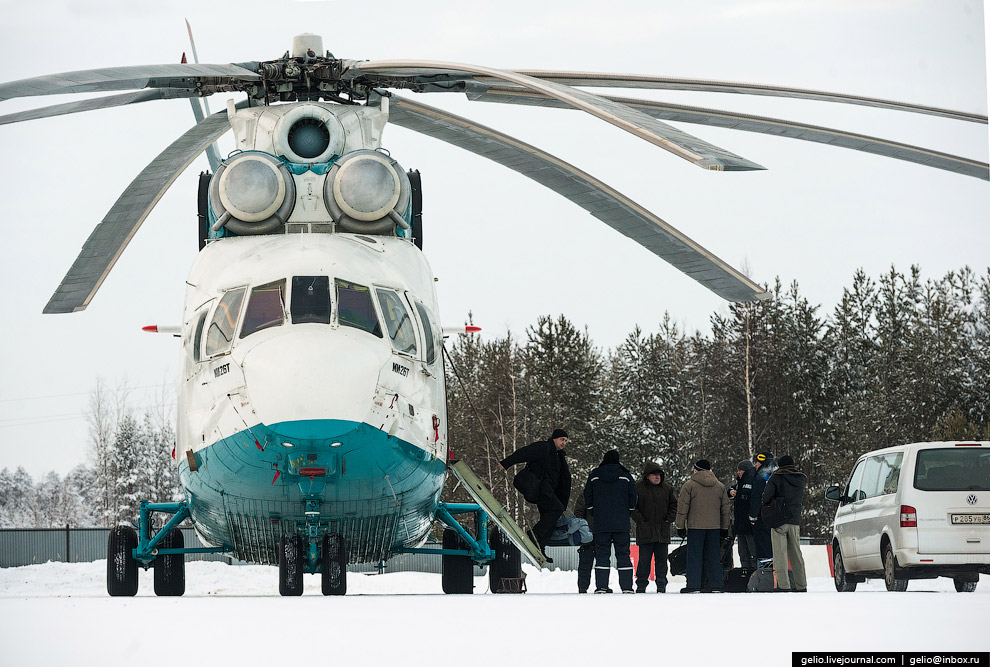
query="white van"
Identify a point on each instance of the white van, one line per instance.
(915, 511)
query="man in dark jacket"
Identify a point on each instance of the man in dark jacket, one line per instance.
(656, 509)
(545, 481)
(703, 517)
(741, 495)
(611, 495)
(765, 464)
(787, 484)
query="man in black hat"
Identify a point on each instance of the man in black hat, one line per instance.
(741, 494)
(545, 481)
(787, 484)
(610, 495)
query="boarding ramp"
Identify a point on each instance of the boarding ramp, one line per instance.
(497, 513)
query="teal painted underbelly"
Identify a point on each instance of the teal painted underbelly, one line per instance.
(377, 490)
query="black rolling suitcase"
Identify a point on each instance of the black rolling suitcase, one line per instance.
(737, 579)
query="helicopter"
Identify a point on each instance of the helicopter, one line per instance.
(311, 421)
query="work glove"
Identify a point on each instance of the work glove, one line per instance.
(681, 532)
(724, 533)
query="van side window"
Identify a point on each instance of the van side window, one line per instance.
(221, 330)
(354, 307)
(265, 309)
(853, 492)
(871, 477)
(890, 471)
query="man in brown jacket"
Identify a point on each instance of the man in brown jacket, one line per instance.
(655, 511)
(703, 517)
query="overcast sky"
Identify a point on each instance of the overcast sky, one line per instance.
(501, 245)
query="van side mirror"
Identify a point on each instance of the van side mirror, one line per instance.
(834, 493)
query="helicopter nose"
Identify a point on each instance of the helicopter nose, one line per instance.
(313, 373)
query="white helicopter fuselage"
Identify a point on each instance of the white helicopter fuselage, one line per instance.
(292, 414)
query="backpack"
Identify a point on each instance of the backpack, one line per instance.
(763, 581)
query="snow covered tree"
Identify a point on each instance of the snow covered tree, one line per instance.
(563, 376)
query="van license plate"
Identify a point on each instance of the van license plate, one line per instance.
(969, 518)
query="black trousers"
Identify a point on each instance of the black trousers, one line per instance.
(703, 550)
(550, 509)
(648, 551)
(586, 561)
(761, 536)
(747, 551)
(623, 563)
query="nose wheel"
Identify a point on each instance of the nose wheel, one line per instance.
(334, 565)
(290, 565)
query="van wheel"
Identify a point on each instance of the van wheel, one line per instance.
(843, 582)
(963, 586)
(890, 572)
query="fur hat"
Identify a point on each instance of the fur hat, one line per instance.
(703, 464)
(558, 433)
(611, 456)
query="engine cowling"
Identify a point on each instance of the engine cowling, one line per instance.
(252, 193)
(367, 192)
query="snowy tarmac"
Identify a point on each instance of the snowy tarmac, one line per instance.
(60, 614)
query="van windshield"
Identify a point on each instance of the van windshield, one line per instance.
(953, 469)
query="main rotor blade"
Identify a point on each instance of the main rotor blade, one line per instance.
(96, 103)
(111, 236)
(669, 138)
(604, 80)
(603, 202)
(749, 123)
(124, 78)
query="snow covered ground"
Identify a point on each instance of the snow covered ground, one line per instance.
(60, 614)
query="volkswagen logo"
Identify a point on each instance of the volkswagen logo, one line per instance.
(971, 499)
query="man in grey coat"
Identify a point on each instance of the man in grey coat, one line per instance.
(656, 509)
(703, 517)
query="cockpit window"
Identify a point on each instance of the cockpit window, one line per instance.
(221, 331)
(265, 309)
(354, 307)
(397, 321)
(429, 333)
(310, 300)
(198, 337)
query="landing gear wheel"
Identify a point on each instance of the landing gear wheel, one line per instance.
(458, 571)
(334, 565)
(170, 570)
(963, 586)
(890, 572)
(507, 563)
(290, 565)
(843, 582)
(122, 569)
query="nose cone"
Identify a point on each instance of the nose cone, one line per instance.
(312, 372)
